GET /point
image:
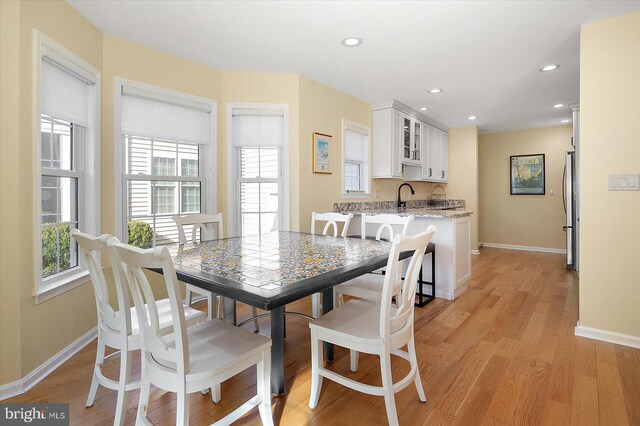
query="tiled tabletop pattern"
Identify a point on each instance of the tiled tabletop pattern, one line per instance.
(273, 260)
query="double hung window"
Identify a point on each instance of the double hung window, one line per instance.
(66, 148)
(356, 158)
(258, 141)
(168, 161)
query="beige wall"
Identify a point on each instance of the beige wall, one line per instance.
(609, 130)
(11, 271)
(463, 173)
(32, 333)
(522, 220)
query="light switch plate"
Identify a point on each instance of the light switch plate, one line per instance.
(627, 182)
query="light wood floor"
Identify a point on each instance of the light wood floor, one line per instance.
(504, 353)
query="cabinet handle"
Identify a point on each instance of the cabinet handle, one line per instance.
(442, 171)
(430, 172)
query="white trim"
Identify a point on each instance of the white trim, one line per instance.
(209, 151)
(232, 226)
(356, 194)
(475, 252)
(49, 366)
(608, 336)
(89, 186)
(524, 248)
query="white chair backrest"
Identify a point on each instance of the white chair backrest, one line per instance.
(332, 220)
(386, 222)
(92, 248)
(404, 303)
(134, 261)
(199, 221)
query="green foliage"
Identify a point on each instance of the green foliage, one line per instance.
(140, 234)
(50, 251)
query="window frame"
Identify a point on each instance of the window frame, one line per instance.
(365, 166)
(207, 153)
(233, 193)
(87, 171)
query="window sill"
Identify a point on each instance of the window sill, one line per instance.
(357, 195)
(62, 284)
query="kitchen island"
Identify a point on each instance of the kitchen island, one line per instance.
(452, 238)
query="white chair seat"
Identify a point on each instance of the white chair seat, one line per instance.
(367, 287)
(356, 320)
(214, 347)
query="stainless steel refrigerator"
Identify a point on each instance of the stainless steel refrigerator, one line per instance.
(569, 202)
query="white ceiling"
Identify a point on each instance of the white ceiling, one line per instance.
(485, 55)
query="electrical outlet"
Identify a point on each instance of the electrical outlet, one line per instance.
(627, 182)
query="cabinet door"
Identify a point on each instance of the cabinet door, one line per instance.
(444, 156)
(417, 140)
(407, 142)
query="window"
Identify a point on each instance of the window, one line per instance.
(258, 146)
(356, 159)
(67, 144)
(168, 161)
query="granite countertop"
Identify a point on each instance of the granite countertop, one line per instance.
(434, 209)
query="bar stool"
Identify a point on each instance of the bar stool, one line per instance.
(423, 298)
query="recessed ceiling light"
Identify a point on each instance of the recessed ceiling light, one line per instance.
(550, 67)
(472, 117)
(352, 42)
(435, 91)
(558, 105)
(566, 120)
(424, 109)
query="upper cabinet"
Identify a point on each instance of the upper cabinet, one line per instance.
(436, 146)
(408, 145)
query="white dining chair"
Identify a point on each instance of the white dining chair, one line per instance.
(369, 286)
(332, 220)
(380, 329)
(190, 360)
(118, 329)
(202, 222)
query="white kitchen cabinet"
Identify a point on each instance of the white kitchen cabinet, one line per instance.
(407, 144)
(436, 158)
(386, 156)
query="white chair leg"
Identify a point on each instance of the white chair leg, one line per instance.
(210, 306)
(188, 296)
(264, 388)
(316, 307)
(413, 360)
(353, 360)
(125, 376)
(316, 379)
(98, 365)
(254, 313)
(143, 401)
(387, 384)
(216, 394)
(182, 408)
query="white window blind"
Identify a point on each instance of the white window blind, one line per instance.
(258, 128)
(354, 146)
(161, 118)
(65, 96)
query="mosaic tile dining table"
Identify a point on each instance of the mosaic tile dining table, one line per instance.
(270, 270)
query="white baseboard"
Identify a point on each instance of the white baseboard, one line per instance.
(36, 376)
(524, 248)
(475, 252)
(608, 336)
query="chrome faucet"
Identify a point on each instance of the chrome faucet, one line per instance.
(400, 202)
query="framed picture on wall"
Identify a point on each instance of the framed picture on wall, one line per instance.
(321, 153)
(527, 174)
